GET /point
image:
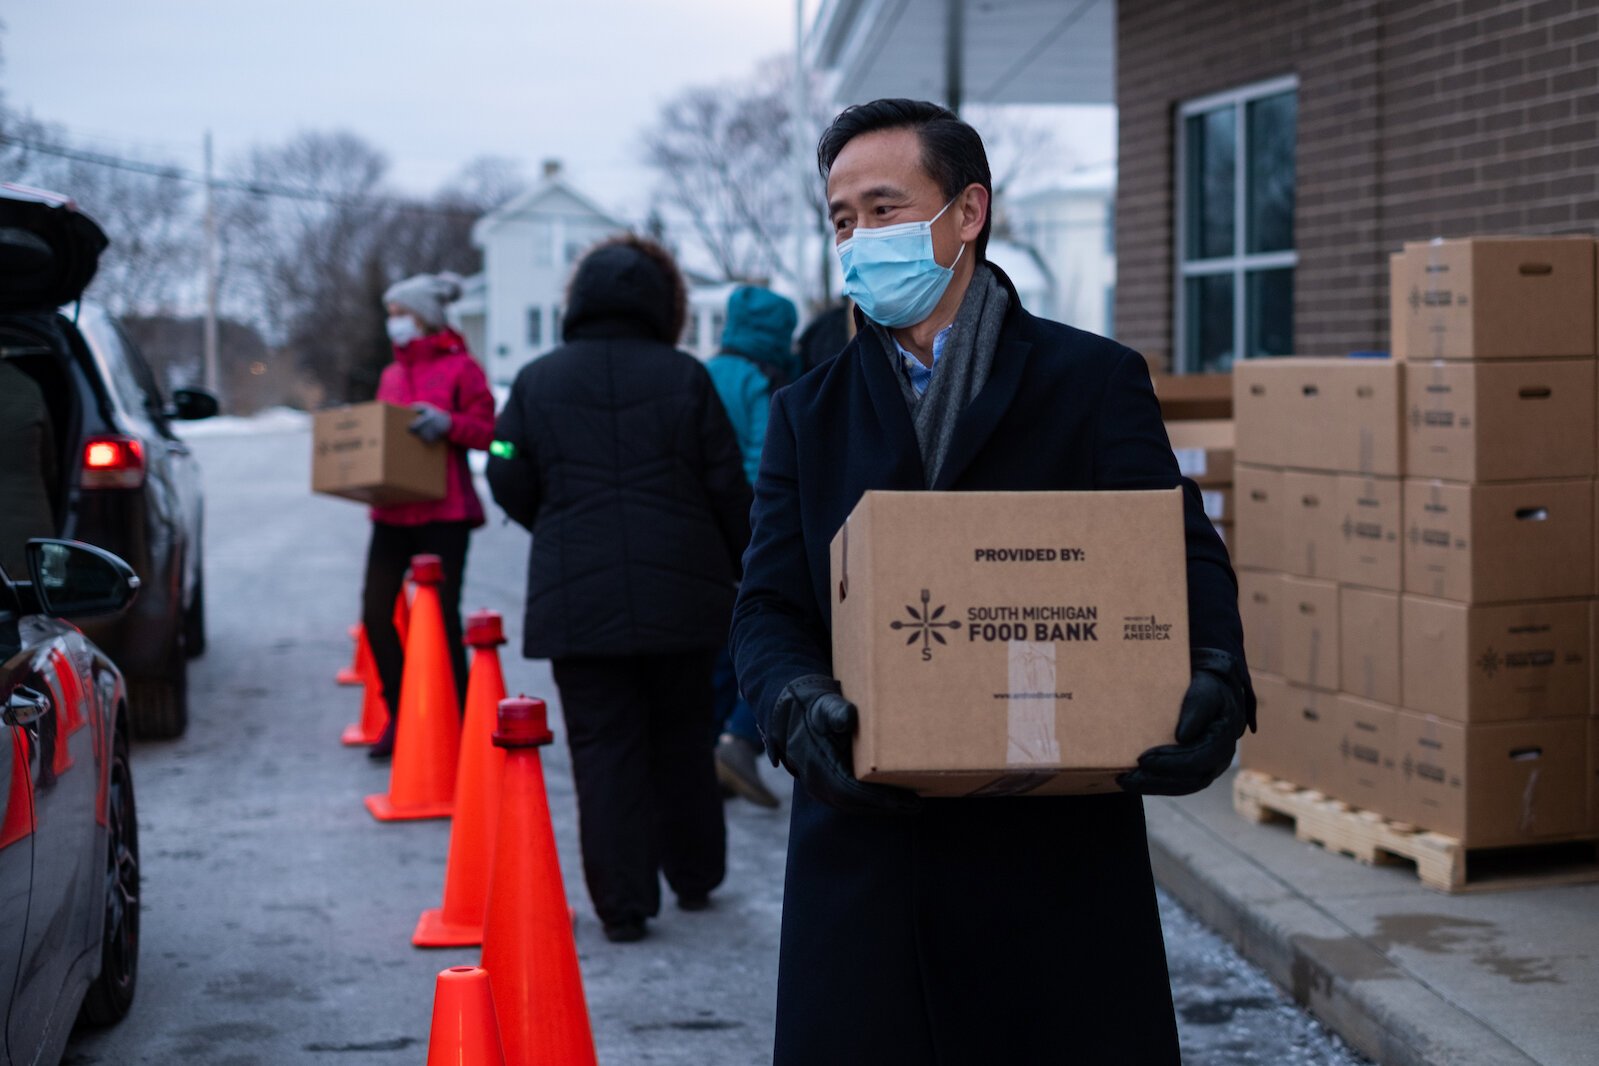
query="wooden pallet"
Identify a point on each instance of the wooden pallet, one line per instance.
(1441, 862)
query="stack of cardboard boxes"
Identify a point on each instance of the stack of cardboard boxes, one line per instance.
(1198, 411)
(1204, 450)
(1416, 550)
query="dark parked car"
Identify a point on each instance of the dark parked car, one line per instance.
(69, 845)
(118, 477)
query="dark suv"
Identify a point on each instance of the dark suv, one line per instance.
(115, 475)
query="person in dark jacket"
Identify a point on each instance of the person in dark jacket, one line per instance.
(757, 353)
(614, 451)
(1016, 929)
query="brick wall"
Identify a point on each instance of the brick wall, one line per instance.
(1417, 118)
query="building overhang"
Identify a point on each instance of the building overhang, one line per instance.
(1008, 51)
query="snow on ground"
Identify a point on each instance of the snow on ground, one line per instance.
(289, 420)
(271, 420)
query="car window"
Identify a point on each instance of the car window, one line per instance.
(130, 376)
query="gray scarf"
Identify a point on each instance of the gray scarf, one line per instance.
(961, 372)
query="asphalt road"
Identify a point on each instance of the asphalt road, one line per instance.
(277, 913)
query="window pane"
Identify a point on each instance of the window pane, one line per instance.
(1212, 170)
(1271, 172)
(1208, 307)
(1270, 299)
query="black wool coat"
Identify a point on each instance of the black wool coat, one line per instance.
(626, 470)
(995, 930)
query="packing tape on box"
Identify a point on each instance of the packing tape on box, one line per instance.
(1031, 739)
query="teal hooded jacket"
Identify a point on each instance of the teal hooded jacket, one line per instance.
(757, 345)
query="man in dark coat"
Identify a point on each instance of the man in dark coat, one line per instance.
(614, 450)
(959, 931)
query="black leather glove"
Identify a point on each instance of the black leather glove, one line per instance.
(809, 732)
(1212, 718)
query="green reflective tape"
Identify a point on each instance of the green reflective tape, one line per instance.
(502, 449)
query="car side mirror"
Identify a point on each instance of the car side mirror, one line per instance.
(190, 404)
(76, 580)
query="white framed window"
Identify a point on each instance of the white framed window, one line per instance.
(543, 243)
(535, 327)
(1234, 239)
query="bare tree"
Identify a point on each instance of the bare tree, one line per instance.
(726, 173)
(145, 207)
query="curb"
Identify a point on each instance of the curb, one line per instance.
(1372, 1002)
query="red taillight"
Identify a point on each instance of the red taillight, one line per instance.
(113, 463)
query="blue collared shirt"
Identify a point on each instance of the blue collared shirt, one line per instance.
(921, 376)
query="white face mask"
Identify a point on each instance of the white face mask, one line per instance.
(402, 330)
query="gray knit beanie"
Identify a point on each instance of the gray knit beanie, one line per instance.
(426, 296)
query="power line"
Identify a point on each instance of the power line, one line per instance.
(253, 188)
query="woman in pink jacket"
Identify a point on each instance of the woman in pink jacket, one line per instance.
(436, 376)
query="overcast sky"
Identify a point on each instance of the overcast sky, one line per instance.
(433, 84)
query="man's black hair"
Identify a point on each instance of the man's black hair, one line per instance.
(952, 152)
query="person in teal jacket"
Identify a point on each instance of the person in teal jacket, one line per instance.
(756, 359)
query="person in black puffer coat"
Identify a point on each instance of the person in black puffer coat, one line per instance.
(615, 452)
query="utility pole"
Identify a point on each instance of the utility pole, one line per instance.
(954, 53)
(212, 379)
(797, 145)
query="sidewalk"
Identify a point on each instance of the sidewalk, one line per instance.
(1408, 975)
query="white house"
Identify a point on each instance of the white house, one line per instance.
(707, 314)
(469, 315)
(1070, 224)
(529, 248)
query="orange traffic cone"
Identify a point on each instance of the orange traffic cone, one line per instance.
(353, 674)
(428, 735)
(477, 797)
(464, 1031)
(528, 948)
(374, 709)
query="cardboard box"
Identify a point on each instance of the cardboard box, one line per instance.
(1191, 397)
(363, 452)
(1298, 734)
(1368, 770)
(1398, 310)
(1499, 543)
(1311, 740)
(1499, 298)
(1501, 421)
(1593, 658)
(1310, 633)
(1497, 663)
(1312, 525)
(1371, 527)
(1330, 415)
(1593, 776)
(1260, 600)
(1262, 749)
(1369, 646)
(1204, 450)
(1218, 504)
(1493, 784)
(1259, 526)
(1001, 643)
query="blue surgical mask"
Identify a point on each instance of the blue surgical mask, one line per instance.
(891, 274)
